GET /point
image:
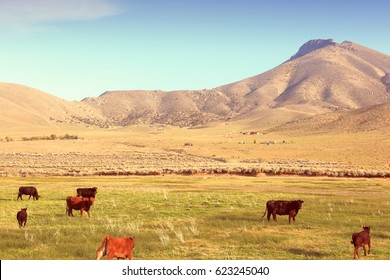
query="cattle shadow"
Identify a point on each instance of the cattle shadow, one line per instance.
(308, 253)
(7, 199)
(234, 218)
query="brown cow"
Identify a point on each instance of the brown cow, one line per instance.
(78, 203)
(120, 248)
(22, 217)
(283, 207)
(28, 190)
(361, 239)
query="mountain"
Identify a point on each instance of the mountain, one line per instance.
(330, 78)
(322, 77)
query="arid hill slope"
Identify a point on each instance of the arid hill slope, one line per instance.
(22, 106)
(375, 117)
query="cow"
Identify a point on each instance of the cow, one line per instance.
(282, 207)
(361, 239)
(87, 192)
(21, 216)
(28, 190)
(120, 248)
(78, 203)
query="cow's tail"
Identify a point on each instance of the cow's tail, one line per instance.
(265, 212)
(102, 250)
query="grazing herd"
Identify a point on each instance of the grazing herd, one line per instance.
(121, 248)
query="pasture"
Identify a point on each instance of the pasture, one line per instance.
(197, 217)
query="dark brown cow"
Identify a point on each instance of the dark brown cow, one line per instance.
(22, 217)
(28, 190)
(78, 203)
(120, 248)
(283, 207)
(361, 239)
(87, 192)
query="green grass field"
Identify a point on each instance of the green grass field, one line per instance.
(197, 217)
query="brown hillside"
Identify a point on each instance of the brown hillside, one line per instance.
(22, 107)
(375, 117)
(178, 108)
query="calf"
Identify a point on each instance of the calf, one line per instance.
(28, 190)
(22, 217)
(120, 248)
(78, 203)
(361, 239)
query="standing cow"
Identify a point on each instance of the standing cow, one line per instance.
(361, 239)
(87, 192)
(283, 207)
(78, 203)
(21, 216)
(120, 248)
(28, 190)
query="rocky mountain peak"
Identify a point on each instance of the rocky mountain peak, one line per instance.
(313, 45)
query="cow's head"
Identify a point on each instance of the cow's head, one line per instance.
(24, 209)
(366, 228)
(299, 203)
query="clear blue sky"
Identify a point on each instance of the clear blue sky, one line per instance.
(81, 48)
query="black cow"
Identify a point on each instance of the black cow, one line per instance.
(22, 217)
(361, 239)
(283, 207)
(27, 190)
(87, 192)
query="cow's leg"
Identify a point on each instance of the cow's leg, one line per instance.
(356, 253)
(29, 197)
(369, 247)
(89, 215)
(110, 256)
(274, 216)
(364, 249)
(99, 254)
(268, 215)
(289, 219)
(81, 212)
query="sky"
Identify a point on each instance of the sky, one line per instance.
(81, 48)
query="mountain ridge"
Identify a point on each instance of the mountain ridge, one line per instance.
(322, 77)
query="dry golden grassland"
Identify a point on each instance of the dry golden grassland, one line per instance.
(197, 217)
(222, 148)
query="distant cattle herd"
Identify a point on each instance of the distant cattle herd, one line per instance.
(121, 248)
